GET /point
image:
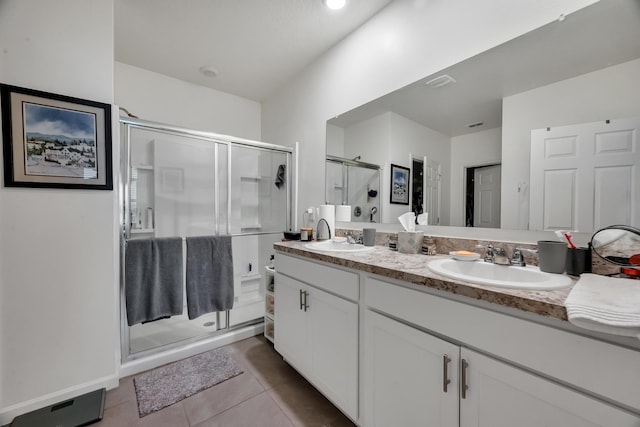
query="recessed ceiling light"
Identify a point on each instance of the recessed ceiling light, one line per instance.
(208, 71)
(441, 81)
(335, 4)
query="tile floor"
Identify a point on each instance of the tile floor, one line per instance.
(268, 394)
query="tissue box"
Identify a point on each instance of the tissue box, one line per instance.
(410, 242)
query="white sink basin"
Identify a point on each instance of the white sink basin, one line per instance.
(331, 246)
(484, 273)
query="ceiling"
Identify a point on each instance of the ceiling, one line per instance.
(256, 46)
(603, 34)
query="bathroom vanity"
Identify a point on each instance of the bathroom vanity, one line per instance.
(391, 343)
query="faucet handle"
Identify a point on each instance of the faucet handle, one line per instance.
(517, 258)
(489, 255)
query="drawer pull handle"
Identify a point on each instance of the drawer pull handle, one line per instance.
(306, 305)
(463, 379)
(445, 372)
(301, 302)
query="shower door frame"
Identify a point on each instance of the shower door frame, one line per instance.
(124, 187)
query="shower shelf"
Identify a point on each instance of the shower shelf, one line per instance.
(269, 303)
(143, 167)
(248, 277)
(142, 230)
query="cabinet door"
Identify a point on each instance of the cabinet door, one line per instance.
(291, 337)
(501, 395)
(333, 333)
(404, 375)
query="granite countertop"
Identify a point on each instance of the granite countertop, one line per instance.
(413, 268)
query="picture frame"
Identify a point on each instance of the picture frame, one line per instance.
(399, 185)
(55, 141)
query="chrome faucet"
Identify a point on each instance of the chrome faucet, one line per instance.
(321, 236)
(499, 255)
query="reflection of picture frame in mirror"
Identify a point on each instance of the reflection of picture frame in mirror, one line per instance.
(399, 185)
(55, 141)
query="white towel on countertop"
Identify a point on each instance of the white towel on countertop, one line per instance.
(605, 304)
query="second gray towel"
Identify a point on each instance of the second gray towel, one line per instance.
(209, 275)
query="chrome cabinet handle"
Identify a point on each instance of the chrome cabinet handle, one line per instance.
(445, 372)
(463, 379)
(301, 303)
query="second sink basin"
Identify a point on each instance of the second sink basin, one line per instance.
(331, 246)
(484, 273)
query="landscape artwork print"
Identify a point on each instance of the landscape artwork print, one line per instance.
(399, 185)
(59, 142)
(55, 141)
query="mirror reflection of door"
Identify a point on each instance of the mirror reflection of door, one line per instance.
(483, 196)
(417, 187)
(579, 172)
(426, 181)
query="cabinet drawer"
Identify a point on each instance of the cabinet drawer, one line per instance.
(333, 280)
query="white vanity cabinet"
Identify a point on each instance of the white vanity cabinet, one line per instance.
(406, 368)
(317, 318)
(410, 377)
(499, 394)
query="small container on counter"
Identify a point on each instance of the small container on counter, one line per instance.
(393, 242)
(306, 234)
(429, 246)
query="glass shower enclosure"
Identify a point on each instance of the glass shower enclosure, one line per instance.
(178, 183)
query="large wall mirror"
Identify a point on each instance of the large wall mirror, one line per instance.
(468, 129)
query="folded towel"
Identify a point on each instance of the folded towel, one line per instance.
(605, 304)
(153, 279)
(209, 275)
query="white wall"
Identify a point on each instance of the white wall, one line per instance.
(408, 40)
(58, 253)
(606, 94)
(335, 140)
(155, 97)
(409, 138)
(474, 149)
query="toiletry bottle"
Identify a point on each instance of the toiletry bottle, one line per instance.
(429, 246)
(393, 242)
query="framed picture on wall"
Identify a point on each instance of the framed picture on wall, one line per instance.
(55, 141)
(399, 185)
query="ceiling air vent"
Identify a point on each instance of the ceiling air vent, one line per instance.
(441, 81)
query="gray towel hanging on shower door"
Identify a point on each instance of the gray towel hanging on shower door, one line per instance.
(209, 275)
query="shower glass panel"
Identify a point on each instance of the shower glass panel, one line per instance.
(259, 206)
(354, 183)
(363, 182)
(181, 183)
(335, 184)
